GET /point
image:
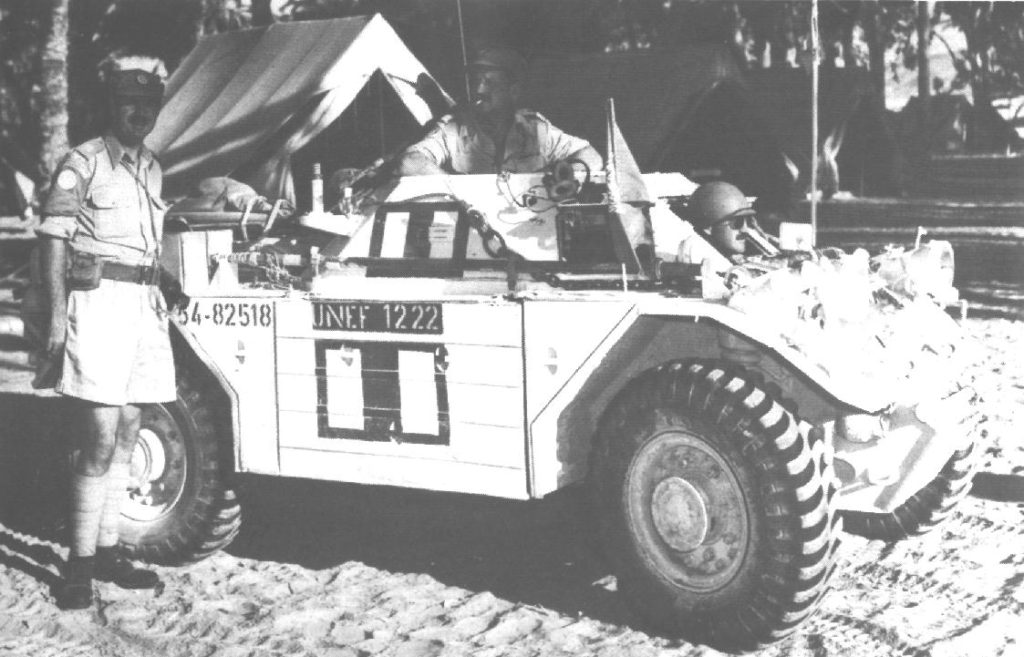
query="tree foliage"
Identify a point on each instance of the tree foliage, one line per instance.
(760, 32)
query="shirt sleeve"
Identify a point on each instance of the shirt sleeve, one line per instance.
(555, 144)
(67, 193)
(435, 145)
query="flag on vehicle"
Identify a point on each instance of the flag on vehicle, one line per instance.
(629, 198)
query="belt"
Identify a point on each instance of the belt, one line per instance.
(140, 274)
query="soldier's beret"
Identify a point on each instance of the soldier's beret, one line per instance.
(500, 58)
(135, 83)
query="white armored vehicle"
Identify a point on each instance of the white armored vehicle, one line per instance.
(501, 336)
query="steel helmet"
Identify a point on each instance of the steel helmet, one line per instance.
(716, 201)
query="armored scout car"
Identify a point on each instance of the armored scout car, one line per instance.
(495, 336)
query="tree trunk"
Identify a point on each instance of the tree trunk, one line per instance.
(876, 50)
(924, 82)
(53, 119)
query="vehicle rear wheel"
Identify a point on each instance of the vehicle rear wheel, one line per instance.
(925, 510)
(716, 511)
(181, 507)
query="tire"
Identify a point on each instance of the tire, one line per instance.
(715, 511)
(181, 507)
(924, 510)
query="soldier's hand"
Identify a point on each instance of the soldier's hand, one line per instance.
(57, 337)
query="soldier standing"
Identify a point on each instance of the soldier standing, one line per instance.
(108, 322)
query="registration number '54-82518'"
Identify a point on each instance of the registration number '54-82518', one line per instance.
(227, 313)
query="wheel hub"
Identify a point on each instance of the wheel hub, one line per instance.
(689, 507)
(679, 514)
(158, 467)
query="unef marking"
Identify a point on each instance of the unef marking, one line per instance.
(378, 316)
(382, 392)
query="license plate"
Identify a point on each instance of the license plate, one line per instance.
(379, 316)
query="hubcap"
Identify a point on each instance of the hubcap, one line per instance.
(689, 511)
(679, 514)
(158, 467)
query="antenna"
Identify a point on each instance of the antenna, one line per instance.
(814, 122)
(462, 41)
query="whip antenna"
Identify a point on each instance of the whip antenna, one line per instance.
(815, 46)
(462, 40)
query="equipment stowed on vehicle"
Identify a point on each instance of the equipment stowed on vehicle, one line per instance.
(475, 335)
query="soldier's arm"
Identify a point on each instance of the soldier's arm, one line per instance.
(55, 256)
(428, 155)
(60, 223)
(558, 145)
(416, 163)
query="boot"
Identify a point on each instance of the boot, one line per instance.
(75, 591)
(113, 567)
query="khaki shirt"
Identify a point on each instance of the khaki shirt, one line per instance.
(458, 145)
(105, 203)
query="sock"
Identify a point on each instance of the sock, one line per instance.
(88, 495)
(116, 492)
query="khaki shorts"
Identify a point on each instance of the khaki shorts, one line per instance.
(118, 348)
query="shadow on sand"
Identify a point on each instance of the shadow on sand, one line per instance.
(542, 553)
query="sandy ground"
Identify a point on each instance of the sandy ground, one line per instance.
(343, 571)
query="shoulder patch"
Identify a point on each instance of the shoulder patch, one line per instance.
(76, 163)
(67, 179)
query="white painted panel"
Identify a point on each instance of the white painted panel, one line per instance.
(470, 443)
(344, 368)
(553, 354)
(245, 356)
(485, 405)
(441, 234)
(417, 389)
(298, 428)
(558, 363)
(395, 230)
(297, 392)
(488, 445)
(405, 472)
(469, 364)
(294, 317)
(295, 356)
(493, 322)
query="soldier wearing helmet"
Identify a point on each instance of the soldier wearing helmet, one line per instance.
(108, 347)
(494, 134)
(723, 216)
(721, 211)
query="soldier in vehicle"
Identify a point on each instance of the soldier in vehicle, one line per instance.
(494, 134)
(108, 332)
(721, 214)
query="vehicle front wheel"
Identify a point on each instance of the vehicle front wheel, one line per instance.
(181, 507)
(716, 510)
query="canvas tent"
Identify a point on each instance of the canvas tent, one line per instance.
(685, 110)
(245, 103)
(857, 151)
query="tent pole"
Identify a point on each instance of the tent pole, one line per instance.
(814, 122)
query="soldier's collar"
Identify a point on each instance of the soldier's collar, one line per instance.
(116, 151)
(469, 124)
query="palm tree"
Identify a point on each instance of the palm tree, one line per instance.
(53, 119)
